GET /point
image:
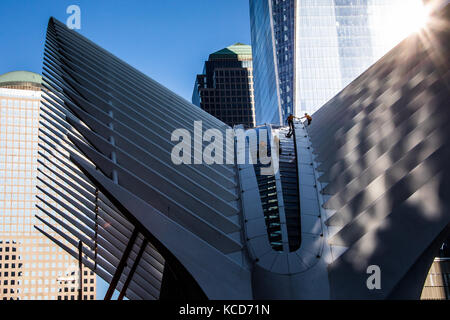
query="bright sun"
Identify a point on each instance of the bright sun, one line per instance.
(417, 17)
(405, 20)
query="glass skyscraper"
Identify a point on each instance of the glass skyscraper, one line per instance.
(306, 51)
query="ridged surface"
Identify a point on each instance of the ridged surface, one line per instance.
(378, 153)
(99, 110)
(383, 148)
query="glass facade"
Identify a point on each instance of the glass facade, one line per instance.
(283, 26)
(320, 46)
(31, 267)
(267, 106)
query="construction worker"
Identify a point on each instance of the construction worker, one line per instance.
(308, 118)
(290, 121)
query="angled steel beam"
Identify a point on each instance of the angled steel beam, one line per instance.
(133, 269)
(121, 266)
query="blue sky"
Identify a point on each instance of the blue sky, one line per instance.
(167, 40)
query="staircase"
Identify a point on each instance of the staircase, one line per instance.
(268, 194)
(289, 182)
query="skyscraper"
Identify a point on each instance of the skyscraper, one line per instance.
(31, 267)
(437, 284)
(225, 89)
(305, 52)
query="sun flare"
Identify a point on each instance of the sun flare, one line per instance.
(406, 20)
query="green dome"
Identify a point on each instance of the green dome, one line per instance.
(20, 77)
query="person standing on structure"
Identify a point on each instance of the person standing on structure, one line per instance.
(290, 121)
(308, 118)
